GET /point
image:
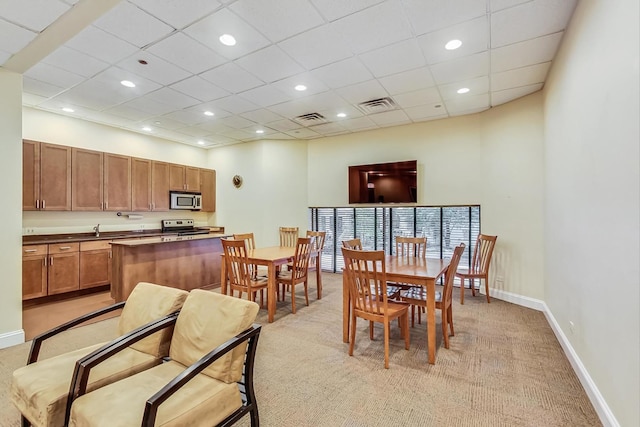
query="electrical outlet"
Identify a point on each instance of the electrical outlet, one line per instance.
(29, 230)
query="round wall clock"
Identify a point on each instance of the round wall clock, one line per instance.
(237, 181)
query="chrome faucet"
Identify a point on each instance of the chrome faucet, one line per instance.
(97, 230)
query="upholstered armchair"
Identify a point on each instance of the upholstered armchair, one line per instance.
(208, 379)
(40, 389)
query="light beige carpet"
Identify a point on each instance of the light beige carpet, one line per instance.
(504, 368)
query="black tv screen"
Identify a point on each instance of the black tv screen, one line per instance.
(394, 182)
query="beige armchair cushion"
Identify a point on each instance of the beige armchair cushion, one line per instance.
(199, 329)
(40, 390)
(203, 401)
(146, 303)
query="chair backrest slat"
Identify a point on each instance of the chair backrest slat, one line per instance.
(301, 258)
(482, 253)
(411, 247)
(248, 238)
(288, 236)
(352, 244)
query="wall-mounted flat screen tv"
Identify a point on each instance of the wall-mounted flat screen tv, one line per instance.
(394, 182)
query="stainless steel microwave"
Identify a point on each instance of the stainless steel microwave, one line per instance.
(186, 201)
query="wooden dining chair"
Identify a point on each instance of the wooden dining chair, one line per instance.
(299, 272)
(479, 268)
(315, 261)
(366, 279)
(288, 236)
(352, 244)
(250, 243)
(411, 246)
(417, 296)
(241, 277)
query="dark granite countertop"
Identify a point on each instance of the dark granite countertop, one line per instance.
(83, 237)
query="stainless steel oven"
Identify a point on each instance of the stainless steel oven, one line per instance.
(186, 201)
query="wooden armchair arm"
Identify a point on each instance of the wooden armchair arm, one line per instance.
(251, 335)
(37, 341)
(80, 378)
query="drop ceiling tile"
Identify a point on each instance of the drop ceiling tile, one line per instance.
(407, 81)
(335, 9)
(278, 19)
(236, 122)
(172, 97)
(288, 85)
(528, 52)
(186, 53)
(529, 20)
(75, 61)
(350, 111)
(343, 73)
(280, 136)
(199, 88)
(232, 78)
(464, 68)
(131, 23)
(21, 12)
(36, 87)
(165, 123)
(396, 58)
(358, 124)
(316, 47)
(200, 109)
(111, 120)
(239, 134)
(284, 125)
(208, 30)
(265, 96)
(431, 15)
(293, 108)
(418, 97)
(4, 56)
(53, 75)
(476, 86)
(360, 92)
(188, 117)
(56, 105)
(270, 64)
(235, 104)
(520, 77)
(325, 100)
(112, 76)
(178, 13)
(496, 5)
(131, 112)
(378, 26)
(112, 49)
(426, 112)
(503, 96)
(14, 38)
(193, 131)
(99, 94)
(473, 35)
(390, 118)
(31, 99)
(303, 133)
(262, 116)
(467, 103)
(329, 128)
(156, 69)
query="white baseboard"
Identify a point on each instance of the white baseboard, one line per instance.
(11, 338)
(600, 405)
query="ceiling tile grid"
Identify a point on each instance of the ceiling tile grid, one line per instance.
(299, 68)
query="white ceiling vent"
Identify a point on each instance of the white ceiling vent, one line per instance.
(311, 119)
(379, 105)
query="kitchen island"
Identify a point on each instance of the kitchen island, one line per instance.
(183, 262)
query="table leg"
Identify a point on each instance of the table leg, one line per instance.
(223, 277)
(431, 321)
(272, 293)
(346, 306)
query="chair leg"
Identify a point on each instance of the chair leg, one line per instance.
(407, 335)
(413, 313)
(25, 422)
(371, 330)
(461, 291)
(293, 299)
(255, 418)
(352, 333)
(486, 288)
(306, 292)
(445, 324)
(386, 345)
(450, 317)
(473, 287)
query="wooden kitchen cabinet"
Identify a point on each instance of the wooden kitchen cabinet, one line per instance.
(184, 178)
(87, 180)
(117, 182)
(208, 189)
(34, 271)
(95, 263)
(160, 184)
(141, 185)
(46, 176)
(63, 270)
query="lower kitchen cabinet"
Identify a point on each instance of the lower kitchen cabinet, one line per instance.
(34, 271)
(95, 263)
(63, 272)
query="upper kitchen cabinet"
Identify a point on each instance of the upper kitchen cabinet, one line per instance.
(117, 182)
(141, 185)
(160, 184)
(88, 180)
(208, 188)
(184, 178)
(46, 176)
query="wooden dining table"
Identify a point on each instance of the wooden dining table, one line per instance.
(271, 257)
(415, 271)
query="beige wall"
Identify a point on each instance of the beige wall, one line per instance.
(494, 159)
(10, 216)
(592, 234)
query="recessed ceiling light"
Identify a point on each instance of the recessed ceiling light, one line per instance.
(200, 142)
(300, 88)
(127, 83)
(453, 44)
(208, 113)
(259, 131)
(68, 110)
(341, 115)
(463, 90)
(227, 40)
(146, 129)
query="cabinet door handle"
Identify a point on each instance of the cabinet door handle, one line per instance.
(51, 261)
(31, 250)
(153, 206)
(64, 248)
(44, 261)
(105, 205)
(43, 205)
(37, 203)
